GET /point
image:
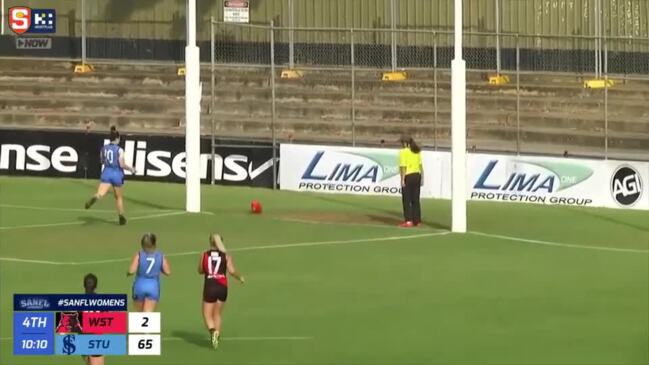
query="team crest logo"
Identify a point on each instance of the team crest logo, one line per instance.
(20, 19)
(69, 323)
(26, 20)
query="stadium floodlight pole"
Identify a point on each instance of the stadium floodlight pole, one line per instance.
(458, 129)
(192, 114)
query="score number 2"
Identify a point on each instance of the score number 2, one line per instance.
(139, 322)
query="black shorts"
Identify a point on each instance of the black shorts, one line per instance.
(213, 292)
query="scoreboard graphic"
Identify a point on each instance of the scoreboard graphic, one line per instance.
(79, 324)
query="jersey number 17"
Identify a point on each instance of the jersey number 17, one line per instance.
(213, 265)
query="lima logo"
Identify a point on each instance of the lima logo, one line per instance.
(534, 176)
(34, 303)
(351, 167)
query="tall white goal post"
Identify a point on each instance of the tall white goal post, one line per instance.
(458, 121)
(458, 129)
(193, 95)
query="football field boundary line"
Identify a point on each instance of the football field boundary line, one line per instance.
(78, 223)
(306, 221)
(249, 338)
(234, 338)
(559, 244)
(240, 249)
(55, 209)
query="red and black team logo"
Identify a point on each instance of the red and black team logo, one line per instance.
(68, 322)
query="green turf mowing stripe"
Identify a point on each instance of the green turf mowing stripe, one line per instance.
(559, 244)
(251, 248)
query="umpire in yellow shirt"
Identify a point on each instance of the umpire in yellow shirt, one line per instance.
(412, 172)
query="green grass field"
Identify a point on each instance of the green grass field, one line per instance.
(331, 280)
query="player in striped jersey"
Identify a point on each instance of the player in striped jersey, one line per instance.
(215, 264)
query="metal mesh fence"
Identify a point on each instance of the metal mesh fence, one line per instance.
(554, 54)
(628, 56)
(236, 44)
(313, 47)
(372, 48)
(345, 66)
(415, 49)
(139, 30)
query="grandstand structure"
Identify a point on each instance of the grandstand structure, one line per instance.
(549, 51)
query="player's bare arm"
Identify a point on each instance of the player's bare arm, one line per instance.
(125, 166)
(200, 267)
(134, 262)
(233, 271)
(166, 268)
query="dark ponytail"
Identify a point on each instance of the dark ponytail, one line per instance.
(90, 283)
(414, 147)
(114, 134)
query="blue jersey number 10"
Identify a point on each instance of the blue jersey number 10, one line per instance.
(109, 156)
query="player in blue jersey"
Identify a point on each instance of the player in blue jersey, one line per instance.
(112, 160)
(147, 265)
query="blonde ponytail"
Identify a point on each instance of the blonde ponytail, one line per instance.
(216, 241)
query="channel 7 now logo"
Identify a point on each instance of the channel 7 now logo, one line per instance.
(26, 20)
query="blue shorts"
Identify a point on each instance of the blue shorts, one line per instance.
(146, 289)
(113, 177)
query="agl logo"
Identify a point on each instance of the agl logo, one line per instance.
(25, 20)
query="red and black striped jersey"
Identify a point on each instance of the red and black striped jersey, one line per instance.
(215, 266)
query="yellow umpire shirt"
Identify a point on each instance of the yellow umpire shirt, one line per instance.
(410, 160)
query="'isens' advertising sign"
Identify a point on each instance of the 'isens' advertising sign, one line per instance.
(156, 158)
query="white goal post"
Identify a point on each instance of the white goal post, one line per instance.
(458, 129)
(192, 114)
(458, 122)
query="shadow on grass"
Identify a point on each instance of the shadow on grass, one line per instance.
(198, 339)
(149, 204)
(92, 184)
(90, 220)
(609, 219)
(388, 216)
(358, 204)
